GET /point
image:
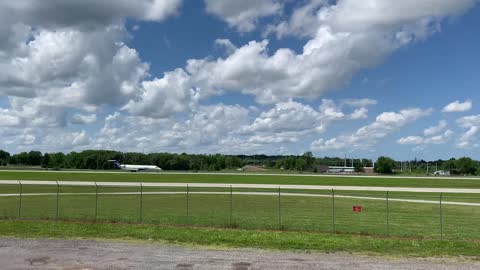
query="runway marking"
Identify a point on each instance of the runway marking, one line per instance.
(253, 186)
(256, 174)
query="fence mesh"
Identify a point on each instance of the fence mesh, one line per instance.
(451, 216)
(77, 203)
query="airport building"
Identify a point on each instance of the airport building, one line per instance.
(340, 169)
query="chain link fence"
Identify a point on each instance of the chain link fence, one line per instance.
(402, 214)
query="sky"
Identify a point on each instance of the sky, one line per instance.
(348, 77)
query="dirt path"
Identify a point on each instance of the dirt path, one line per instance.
(86, 254)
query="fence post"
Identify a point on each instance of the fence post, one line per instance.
(441, 217)
(58, 193)
(333, 211)
(141, 202)
(188, 202)
(279, 209)
(96, 201)
(388, 213)
(20, 201)
(231, 206)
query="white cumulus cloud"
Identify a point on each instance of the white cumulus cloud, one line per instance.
(436, 139)
(243, 15)
(81, 119)
(458, 106)
(433, 130)
(290, 121)
(367, 136)
(338, 46)
(470, 138)
(163, 97)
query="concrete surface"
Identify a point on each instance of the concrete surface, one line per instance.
(253, 174)
(254, 186)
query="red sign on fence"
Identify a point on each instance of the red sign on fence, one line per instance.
(357, 208)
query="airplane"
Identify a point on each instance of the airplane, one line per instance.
(135, 168)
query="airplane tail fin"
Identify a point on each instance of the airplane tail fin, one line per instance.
(116, 163)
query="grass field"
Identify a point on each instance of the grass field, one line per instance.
(422, 218)
(299, 241)
(246, 211)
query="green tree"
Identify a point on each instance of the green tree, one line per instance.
(300, 164)
(358, 167)
(384, 165)
(45, 160)
(34, 158)
(20, 158)
(449, 165)
(57, 160)
(466, 165)
(309, 159)
(4, 156)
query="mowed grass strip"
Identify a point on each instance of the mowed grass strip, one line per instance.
(281, 240)
(247, 211)
(246, 179)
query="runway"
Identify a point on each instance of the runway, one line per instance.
(252, 186)
(253, 174)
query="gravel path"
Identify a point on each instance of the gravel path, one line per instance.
(87, 254)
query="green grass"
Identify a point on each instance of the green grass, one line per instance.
(310, 214)
(242, 238)
(248, 179)
(294, 213)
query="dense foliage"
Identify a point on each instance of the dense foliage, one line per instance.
(385, 165)
(461, 166)
(98, 159)
(4, 157)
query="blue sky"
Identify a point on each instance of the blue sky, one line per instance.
(362, 78)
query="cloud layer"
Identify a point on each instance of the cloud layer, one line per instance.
(438, 134)
(369, 135)
(71, 80)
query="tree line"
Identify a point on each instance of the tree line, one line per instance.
(461, 166)
(99, 160)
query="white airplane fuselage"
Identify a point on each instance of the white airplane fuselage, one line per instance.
(135, 168)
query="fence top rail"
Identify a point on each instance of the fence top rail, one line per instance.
(252, 186)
